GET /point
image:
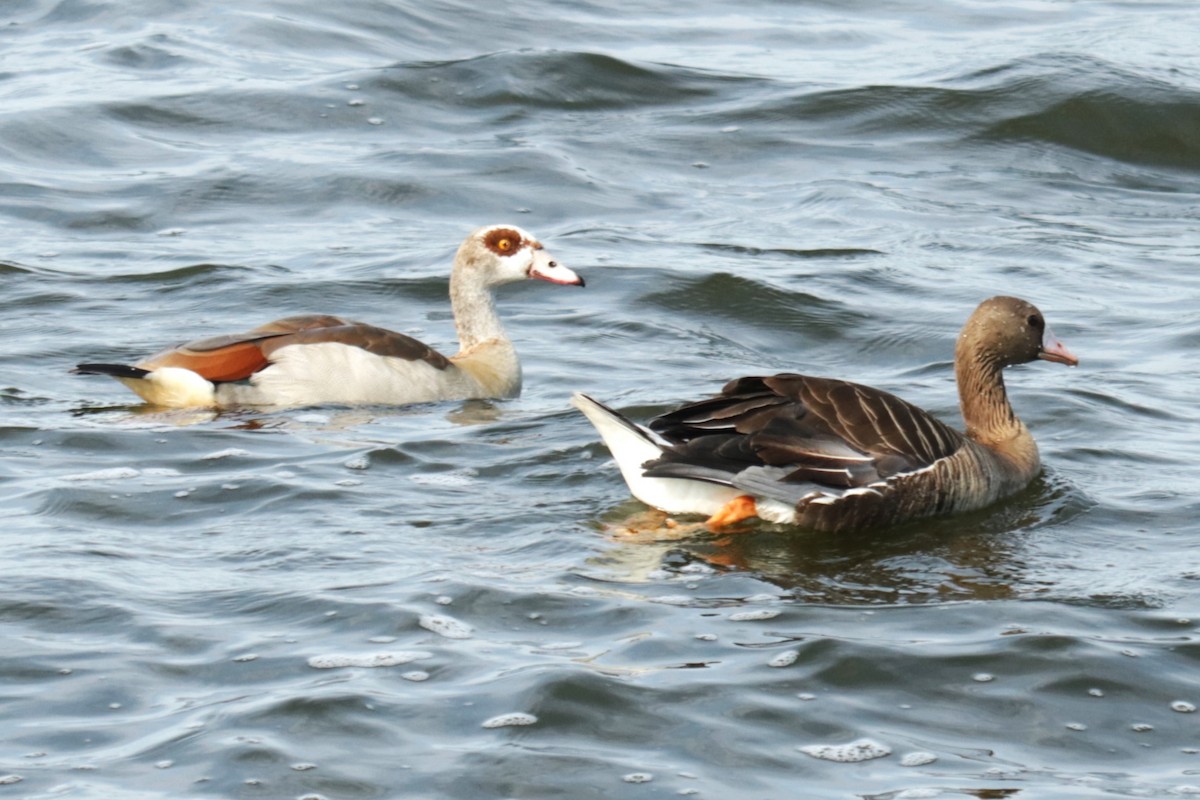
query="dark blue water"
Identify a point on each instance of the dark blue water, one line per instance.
(345, 603)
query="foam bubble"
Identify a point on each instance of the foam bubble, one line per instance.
(416, 676)
(784, 659)
(754, 616)
(515, 718)
(114, 474)
(1183, 707)
(338, 661)
(231, 452)
(861, 750)
(637, 777)
(672, 599)
(917, 759)
(461, 477)
(446, 626)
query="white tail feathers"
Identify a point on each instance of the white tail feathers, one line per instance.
(632, 446)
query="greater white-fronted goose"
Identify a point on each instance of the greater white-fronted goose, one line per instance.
(832, 455)
(317, 359)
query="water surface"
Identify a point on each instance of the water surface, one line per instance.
(346, 603)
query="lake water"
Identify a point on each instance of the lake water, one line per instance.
(352, 603)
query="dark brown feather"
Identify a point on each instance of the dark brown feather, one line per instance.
(823, 431)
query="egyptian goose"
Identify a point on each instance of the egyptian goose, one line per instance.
(831, 455)
(317, 359)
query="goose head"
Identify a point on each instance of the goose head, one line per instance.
(499, 254)
(1006, 331)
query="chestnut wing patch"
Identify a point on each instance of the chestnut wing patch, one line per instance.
(237, 356)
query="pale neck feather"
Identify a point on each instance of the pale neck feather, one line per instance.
(474, 307)
(989, 416)
(485, 352)
(493, 365)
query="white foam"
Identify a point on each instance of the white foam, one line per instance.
(754, 616)
(446, 626)
(231, 452)
(861, 750)
(784, 659)
(1183, 707)
(114, 474)
(672, 599)
(637, 777)
(515, 718)
(461, 477)
(338, 661)
(917, 759)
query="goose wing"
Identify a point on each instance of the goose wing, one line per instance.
(235, 357)
(806, 430)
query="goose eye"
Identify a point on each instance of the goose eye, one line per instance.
(1035, 322)
(504, 241)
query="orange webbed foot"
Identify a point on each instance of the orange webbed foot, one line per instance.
(739, 508)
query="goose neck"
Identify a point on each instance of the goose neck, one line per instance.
(989, 416)
(474, 310)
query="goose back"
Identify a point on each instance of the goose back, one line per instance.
(843, 455)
